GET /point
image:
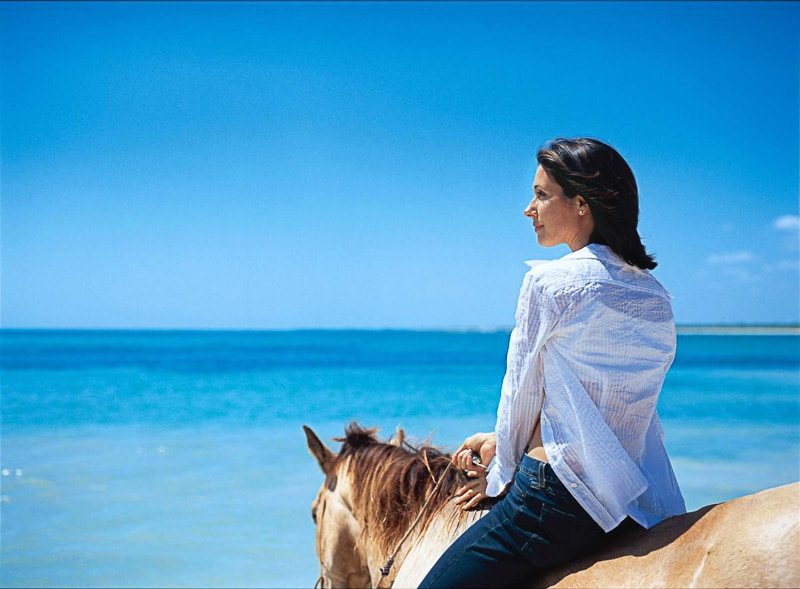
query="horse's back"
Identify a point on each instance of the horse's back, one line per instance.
(751, 541)
(765, 548)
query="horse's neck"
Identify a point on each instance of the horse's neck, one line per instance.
(422, 549)
(437, 534)
(435, 538)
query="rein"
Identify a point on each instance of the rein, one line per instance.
(390, 561)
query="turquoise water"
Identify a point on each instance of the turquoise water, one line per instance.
(178, 458)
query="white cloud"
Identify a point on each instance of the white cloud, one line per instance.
(739, 257)
(738, 272)
(787, 223)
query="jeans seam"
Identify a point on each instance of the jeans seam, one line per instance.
(523, 493)
(530, 539)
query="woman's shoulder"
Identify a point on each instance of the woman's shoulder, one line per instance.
(564, 269)
(590, 269)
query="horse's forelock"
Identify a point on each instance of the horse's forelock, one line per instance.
(356, 436)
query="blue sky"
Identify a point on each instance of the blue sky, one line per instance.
(268, 165)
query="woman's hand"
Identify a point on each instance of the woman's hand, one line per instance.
(482, 444)
(474, 491)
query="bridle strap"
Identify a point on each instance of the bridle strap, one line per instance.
(321, 582)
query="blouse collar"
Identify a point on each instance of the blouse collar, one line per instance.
(597, 251)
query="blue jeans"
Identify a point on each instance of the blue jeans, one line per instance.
(536, 525)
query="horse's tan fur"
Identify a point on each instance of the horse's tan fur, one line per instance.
(752, 541)
(373, 492)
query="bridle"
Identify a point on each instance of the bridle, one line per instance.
(321, 582)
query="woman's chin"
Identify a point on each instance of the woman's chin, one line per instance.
(544, 242)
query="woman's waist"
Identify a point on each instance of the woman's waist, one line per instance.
(537, 453)
(538, 472)
(535, 447)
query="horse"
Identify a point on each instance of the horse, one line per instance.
(393, 499)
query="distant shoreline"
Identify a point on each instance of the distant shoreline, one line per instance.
(738, 329)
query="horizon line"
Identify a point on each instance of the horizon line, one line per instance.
(700, 327)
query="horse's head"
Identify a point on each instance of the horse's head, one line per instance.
(341, 556)
(373, 494)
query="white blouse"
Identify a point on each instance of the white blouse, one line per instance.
(597, 335)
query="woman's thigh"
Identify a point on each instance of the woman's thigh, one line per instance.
(535, 526)
(483, 556)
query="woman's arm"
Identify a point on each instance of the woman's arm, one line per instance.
(522, 392)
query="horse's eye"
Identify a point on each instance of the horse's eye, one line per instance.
(314, 514)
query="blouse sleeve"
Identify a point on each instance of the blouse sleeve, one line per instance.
(521, 394)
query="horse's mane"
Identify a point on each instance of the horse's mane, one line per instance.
(392, 482)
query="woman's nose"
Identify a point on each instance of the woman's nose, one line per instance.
(529, 211)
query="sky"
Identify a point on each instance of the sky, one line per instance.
(365, 165)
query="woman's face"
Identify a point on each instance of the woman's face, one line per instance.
(556, 218)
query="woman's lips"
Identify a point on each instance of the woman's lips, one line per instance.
(536, 227)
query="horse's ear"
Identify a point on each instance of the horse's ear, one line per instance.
(399, 437)
(318, 449)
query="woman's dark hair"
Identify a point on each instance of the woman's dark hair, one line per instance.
(600, 175)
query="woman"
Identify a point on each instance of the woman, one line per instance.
(577, 447)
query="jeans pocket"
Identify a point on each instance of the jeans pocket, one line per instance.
(525, 524)
(552, 514)
(527, 508)
(560, 537)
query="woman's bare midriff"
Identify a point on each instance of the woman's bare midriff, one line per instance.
(535, 446)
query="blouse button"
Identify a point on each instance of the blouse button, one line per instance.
(573, 485)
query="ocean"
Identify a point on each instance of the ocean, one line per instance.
(178, 459)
